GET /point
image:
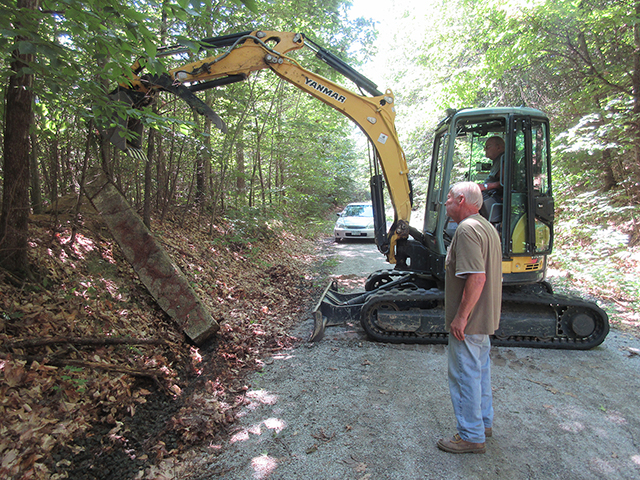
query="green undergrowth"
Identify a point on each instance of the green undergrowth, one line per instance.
(254, 225)
(594, 254)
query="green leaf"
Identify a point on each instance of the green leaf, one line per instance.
(190, 44)
(180, 14)
(111, 11)
(72, 368)
(251, 5)
(150, 48)
(26, 48)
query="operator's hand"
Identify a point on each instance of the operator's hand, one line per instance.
(457, 327)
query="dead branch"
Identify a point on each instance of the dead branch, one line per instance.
(82, 341)
(152, 374)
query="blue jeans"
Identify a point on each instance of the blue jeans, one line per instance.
(470, 385)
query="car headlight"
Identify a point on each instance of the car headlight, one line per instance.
(340, 223)
(370, 224)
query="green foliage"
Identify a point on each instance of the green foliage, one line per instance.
(84, 48)
(592, 244)
(576, 61)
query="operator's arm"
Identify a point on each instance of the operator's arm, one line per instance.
(472, 289)
(489, 186)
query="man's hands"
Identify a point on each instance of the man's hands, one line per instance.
(489, 186)
(457, 327)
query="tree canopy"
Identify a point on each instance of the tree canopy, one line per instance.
(288, 155)
(232, 208)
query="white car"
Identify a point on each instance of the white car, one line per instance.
(356, 221)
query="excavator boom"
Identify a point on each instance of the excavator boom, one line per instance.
(249, 52)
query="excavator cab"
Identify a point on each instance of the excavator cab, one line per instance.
(522, 210)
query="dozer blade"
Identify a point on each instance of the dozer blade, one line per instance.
(335, 308)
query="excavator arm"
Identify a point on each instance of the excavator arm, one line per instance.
(252, 51)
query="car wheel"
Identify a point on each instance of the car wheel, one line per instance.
(337, 239)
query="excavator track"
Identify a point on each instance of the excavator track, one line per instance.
(529, 319)
(384, 278)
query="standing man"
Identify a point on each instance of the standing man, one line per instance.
(492, 188)
(473, 296)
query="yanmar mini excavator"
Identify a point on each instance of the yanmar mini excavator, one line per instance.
(406, 304)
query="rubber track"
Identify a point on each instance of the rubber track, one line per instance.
(418, 298)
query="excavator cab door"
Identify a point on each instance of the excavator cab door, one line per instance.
(528, 228)
(458, 155)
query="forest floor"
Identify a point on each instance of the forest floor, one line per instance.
(98, 383)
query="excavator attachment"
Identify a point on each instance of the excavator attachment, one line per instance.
(165, 82)
(335, 308)
(126, 135)
(127, 131)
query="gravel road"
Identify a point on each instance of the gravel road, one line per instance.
(349, 408)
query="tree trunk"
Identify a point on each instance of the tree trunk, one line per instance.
(18, 119)
(609, 178)
(148, 171)
(241, 174)
(203, 158)
(54, 168)
(36, 188)
(200, 177)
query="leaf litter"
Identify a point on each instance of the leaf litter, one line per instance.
(97, 382)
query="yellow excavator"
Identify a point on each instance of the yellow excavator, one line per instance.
(406, 304)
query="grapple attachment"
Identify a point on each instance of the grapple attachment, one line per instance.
(126, 135)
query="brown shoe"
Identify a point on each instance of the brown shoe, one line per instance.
(458, 445)
(488, 432)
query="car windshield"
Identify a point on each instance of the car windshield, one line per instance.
(358, 211)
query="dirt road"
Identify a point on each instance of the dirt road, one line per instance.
(348, 408)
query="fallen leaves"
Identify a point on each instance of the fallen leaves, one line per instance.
(69, 358)
(322, 437)
(14, 373)
(359, 466)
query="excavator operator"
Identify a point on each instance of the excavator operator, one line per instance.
(492, 188)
